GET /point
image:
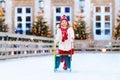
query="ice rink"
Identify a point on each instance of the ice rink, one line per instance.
(85, 66)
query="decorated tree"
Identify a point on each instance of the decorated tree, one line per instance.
(40, 26)
(3, 25)
(116, 31)
(80, 28)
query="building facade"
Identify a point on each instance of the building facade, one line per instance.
(100, 15)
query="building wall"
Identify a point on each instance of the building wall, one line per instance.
(76, 8)
(117, 7)
(8, 14)
(48, 10)
(87, 12)
(36, 8)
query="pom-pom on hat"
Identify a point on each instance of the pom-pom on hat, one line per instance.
(63, 18)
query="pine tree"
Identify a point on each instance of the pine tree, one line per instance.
(116, 31)
(40, 27)
(3, 25)
(80, 28)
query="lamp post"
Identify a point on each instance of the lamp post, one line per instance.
(41, 4)
(81, 5)
(2, 4)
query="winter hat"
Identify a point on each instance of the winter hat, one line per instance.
(64, 18)
(64, 31)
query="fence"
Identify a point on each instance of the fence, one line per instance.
(15, 46)
(98, 46)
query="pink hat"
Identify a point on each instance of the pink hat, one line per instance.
(64, 18)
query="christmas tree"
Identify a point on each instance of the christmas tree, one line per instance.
(40, 26)
(116, 31)
(3, 25)
(80, 28)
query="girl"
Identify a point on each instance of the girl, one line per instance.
(64, 38)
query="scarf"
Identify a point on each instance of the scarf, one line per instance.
(64, 34)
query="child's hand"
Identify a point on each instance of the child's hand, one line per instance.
(55, 46)
(55, 43)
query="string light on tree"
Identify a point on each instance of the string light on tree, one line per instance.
(80, 28)
(40, 25)
(116, 31)
(3, 25)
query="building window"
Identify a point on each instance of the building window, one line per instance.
(82, 5)
(58, 18)
(107, 9)
(28, 10)
(19, 10)
(107, 32)
(19, 25)
(107, 18)
(67, 10)
(98, 32)
(19, 18)
(28, 25)
(58, 10)
(98, 9)
(68, 17)
(98, 25)
(98, 18)
(28, 18)
(107, 24)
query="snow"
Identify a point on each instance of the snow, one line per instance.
(85, 66)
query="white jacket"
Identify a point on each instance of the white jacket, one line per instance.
(67, 44)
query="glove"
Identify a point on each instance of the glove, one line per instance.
(55, 43)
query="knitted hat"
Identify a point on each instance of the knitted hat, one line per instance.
(64, 31)
(63, 18)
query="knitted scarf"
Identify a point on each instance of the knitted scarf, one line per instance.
(64, 34)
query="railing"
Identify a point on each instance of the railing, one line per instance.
(98, 46)
(25, 46)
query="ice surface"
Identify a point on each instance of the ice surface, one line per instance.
(85, 66)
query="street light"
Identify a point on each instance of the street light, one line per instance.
(41, 4)
(2, 4)
(119, 14)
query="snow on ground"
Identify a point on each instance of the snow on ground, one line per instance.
(84, 67)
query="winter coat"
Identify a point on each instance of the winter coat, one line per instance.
(65, 46)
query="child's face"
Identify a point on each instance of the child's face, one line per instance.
(64, 23)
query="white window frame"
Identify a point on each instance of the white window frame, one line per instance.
(23, 15)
